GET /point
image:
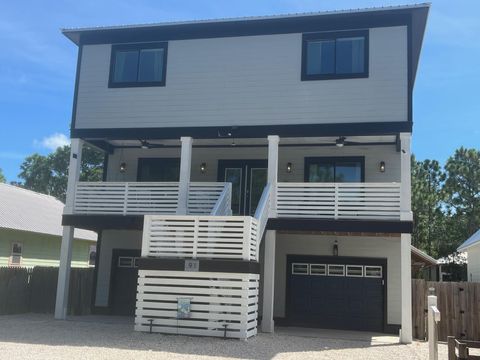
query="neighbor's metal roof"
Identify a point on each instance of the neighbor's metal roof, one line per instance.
(472, 240)
(248, 18)
(26, 210)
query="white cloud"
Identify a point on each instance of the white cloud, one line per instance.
(53, 141)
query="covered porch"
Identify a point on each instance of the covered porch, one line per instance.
(274, 184)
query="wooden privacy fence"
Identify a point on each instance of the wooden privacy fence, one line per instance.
(25, 290)
(459, 304)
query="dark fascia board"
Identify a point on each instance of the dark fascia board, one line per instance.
(104, 222)
(363, 226)
(264, 26)
(217, 265)
(254, 131)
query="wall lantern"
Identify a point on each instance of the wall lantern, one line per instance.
(203, 167)
(382, 166)
(289, 167)
(335, 248)
(123, 167)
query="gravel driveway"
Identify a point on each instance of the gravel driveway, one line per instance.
(35, 336)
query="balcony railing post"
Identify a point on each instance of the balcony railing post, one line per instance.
(247, 235)
(125, 199)
(196, 226)
(336, 200)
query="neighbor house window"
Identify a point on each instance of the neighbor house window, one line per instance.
(339, 55)
(334, 169)
(16, 255)
(138, 65)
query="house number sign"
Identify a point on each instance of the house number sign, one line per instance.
(192, 265)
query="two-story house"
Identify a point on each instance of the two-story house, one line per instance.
(256, 169)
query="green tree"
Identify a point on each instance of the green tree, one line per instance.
(427, 201)
(2, 177)
(462, 189)
(49, 174)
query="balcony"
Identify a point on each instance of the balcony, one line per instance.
(142, 198)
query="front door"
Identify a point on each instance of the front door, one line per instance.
(248, 178)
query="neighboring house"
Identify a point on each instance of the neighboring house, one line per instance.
(424, 266)
(292, 129)
(472, 247)
(31, 231)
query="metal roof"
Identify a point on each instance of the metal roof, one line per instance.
(26, 210)
(248, 18)
(423, 255)
(472, 240)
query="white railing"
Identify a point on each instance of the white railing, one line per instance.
(223, 206)
(202, 196)
(221, 237)
(263, 211)
(126, 198)
(339, 200)
(138, 198)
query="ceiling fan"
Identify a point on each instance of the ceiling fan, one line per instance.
(144, 144)
(342, 141)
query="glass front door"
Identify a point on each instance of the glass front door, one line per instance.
(248, 178)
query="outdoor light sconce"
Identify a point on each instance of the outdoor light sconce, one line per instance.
(382, 166)
(123, 167)
(203, 167)
(289, 167)
(335, 248)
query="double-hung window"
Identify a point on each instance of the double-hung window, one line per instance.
(335, 55)
(142, 64)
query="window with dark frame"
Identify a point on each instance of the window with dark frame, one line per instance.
(334, 169)
(16, 255)
(135, 65)
(335, 55)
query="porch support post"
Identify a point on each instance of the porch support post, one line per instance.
(61, 303)
(185, 169)
(406, 240)
(273, 141)
(268, 281)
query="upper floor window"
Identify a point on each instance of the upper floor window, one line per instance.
(138, 65)
(339, 55)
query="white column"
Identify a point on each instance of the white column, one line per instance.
(185, 169)
(406, 288)
(63, 283)
(273, 141)
(406, 239)
(268, 281)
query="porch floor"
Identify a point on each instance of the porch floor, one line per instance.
(29, 336)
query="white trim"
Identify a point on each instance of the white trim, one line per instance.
(376, 267)
(354, 266)
(318, 274)
(333, 265)
(300, 273)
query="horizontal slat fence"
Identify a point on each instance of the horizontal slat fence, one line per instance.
(459, 305)
(339, 200)
(220, 237)
(217, 300)
(24, 290)
(138, 198)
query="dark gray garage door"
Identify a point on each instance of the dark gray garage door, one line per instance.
(335, 292)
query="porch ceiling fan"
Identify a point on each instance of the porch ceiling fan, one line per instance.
(341, 141)
(144, 144)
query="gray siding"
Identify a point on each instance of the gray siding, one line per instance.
(252, 80)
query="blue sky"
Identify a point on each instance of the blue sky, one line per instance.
(37, 65)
